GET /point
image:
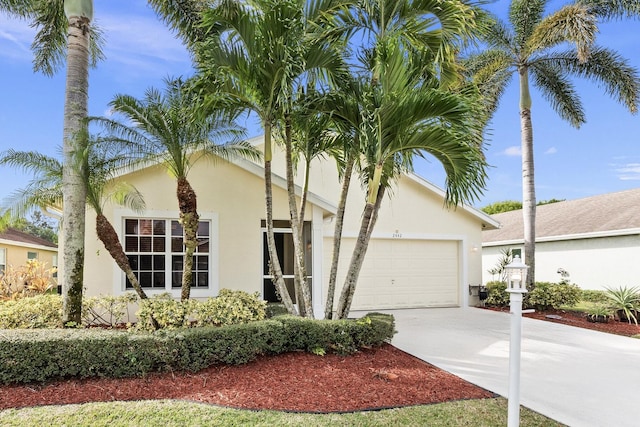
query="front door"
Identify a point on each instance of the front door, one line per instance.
(284, 246)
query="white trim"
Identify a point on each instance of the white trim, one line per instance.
(214, 254)
(579, 236)
(317, 253)
(28, 245)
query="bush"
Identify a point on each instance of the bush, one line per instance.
(107, 309)
(41, 311)
(33, 278)
(547, 295)
(229, 308)
(590, 295)
(169, 313)
(27, 356)
(497, 294)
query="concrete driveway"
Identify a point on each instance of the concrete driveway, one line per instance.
(575, 376)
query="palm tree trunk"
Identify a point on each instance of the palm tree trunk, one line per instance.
(369, 218)
(528, 177)
(189, 218)
(278, 280)
(109, 238)
(306, 307)
(337, 238)
(73, 187)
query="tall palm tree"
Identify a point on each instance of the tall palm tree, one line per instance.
(533, 47)
(169, 129)
(66, 25)
(403, 116)
(252, 55)
(98, 165)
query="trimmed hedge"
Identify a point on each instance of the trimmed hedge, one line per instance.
(41, 355)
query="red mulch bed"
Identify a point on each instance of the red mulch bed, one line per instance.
(574, 318)
(371, 379)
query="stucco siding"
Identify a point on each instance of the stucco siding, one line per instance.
(18, 255)
(234, 197)
(591, 263)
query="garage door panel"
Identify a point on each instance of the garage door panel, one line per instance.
(408, 273)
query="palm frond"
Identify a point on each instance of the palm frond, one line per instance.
(573, 23)
(559, 91)
(524, 16)
(492, 71)
(614, 9)
(608, 69)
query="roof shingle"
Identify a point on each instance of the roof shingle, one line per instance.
(604, 213)
(21, 237)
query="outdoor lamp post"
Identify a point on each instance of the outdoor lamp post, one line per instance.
(516, 273)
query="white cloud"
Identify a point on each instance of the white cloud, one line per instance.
(552, 150)
(513, 151)
(141, 42)
(628, 172)
(15, 38)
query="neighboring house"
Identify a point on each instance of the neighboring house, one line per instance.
(420, 255)
(17, 247)
(595, 239)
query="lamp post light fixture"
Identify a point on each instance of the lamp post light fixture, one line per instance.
(516, 273)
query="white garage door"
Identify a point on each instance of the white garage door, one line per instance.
(401, 273)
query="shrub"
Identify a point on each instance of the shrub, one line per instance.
(169, 313)
(547, 295)
(497, 294)
(595, 296)
(33, 278)
(40, 311)
(274, 309)
(230, 308)
(27, 356)
(107, 309)
(625, 301)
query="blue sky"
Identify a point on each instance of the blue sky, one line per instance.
(603, 156)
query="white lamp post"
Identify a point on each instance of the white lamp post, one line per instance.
(516, 273)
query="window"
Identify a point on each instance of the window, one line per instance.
(54, 264)
(3, 259)
(32, 255)
(516, 252)
(155, 249)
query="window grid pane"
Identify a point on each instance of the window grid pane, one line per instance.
(154, 252)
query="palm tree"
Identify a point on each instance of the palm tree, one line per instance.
(169, 129)
(252, 55)
(66, 24)
(427, 34)
(405, 115)
(98, 165)
(530, 47)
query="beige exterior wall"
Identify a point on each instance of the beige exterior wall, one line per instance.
(228, 195)
(413, 212)
(16, 254)
(232, 197)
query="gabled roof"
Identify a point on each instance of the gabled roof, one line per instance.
(611, 214)
(12, 236)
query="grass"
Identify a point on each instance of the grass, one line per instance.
(166, 413)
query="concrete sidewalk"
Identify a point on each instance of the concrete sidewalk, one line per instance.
(575, 376)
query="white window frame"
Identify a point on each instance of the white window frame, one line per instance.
(119, 279)
(3, 259)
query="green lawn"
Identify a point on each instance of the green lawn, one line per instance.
(166, 413)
